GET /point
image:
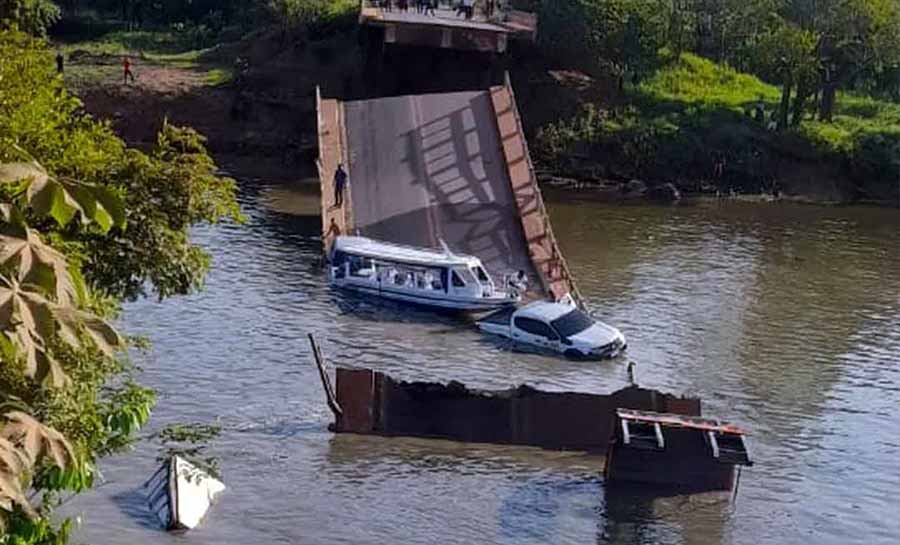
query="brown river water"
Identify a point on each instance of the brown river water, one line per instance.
(784, 318)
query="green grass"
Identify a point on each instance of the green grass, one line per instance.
(699, 83)
(150, 42)
(96, 59)
(694, 87)
(856, 119)
(692, 109)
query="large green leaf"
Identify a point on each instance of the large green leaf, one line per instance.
(63, 199)
(30, 322)
(112, 204)
(15, 172)
(25, 442)
(36, 439)
(54, 201)
(31, 261)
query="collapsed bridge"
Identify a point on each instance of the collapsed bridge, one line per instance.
(448, 166)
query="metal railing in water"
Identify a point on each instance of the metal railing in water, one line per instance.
(556, 258)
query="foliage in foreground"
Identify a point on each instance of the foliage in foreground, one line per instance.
(86, 223)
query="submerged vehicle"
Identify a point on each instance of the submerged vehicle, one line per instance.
(422, 276)
(559, 327)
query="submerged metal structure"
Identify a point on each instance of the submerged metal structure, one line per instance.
(675, 450)
(373, 403)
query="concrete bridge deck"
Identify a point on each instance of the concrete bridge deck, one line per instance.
(444, 28)
(449, 166)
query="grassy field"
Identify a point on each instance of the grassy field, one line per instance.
(96, 59)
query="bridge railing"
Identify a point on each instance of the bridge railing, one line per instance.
(557, 260)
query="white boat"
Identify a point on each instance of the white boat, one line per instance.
(421, 276)
(180, 493)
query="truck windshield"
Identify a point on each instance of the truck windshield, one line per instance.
(572, 323)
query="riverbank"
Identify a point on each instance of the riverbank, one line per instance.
(253, 99)
(695, 127)
(707, 129)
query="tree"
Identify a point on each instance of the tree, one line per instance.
(31, 16)
(855, 39)
(85, 222)
(627, 33)
(786, 55)
(42, 306)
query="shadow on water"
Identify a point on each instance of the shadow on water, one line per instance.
(534, 508)
(642, 515)
(133, 504)
(420, 455)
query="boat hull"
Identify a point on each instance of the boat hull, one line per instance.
(179, 494)
(481, 304)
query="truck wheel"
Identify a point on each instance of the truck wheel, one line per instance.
(573, 354)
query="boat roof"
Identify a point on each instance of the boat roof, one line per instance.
(545, 310)
(679, 421)
(375, 249)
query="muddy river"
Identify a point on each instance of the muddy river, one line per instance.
(783, 318)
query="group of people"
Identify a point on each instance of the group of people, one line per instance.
(411, 279)
(467, 8)
(426, 7)
(463, 7)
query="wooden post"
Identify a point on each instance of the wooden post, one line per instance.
(323, 375)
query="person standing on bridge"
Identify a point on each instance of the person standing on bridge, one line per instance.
(340, 183)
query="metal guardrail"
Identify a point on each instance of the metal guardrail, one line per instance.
(556, 256)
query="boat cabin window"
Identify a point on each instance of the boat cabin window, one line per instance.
(361, 266)
(432, 279)
(337, 261)
(458, 282)
(536, 327)
(481, 275)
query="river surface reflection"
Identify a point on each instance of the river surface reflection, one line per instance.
(783, 318)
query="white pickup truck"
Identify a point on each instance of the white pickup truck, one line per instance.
(557, 327)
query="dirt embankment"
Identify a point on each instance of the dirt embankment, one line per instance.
(261, 122)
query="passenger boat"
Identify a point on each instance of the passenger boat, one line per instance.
(421, 276)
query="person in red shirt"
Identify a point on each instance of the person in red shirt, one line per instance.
(126, 65)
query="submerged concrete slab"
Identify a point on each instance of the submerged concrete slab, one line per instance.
(430, 167)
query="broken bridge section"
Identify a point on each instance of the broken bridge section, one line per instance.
(446, 29)
(429, 168)
(445, 166)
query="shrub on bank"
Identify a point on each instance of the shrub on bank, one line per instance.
(694, 113)
(86, 223)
